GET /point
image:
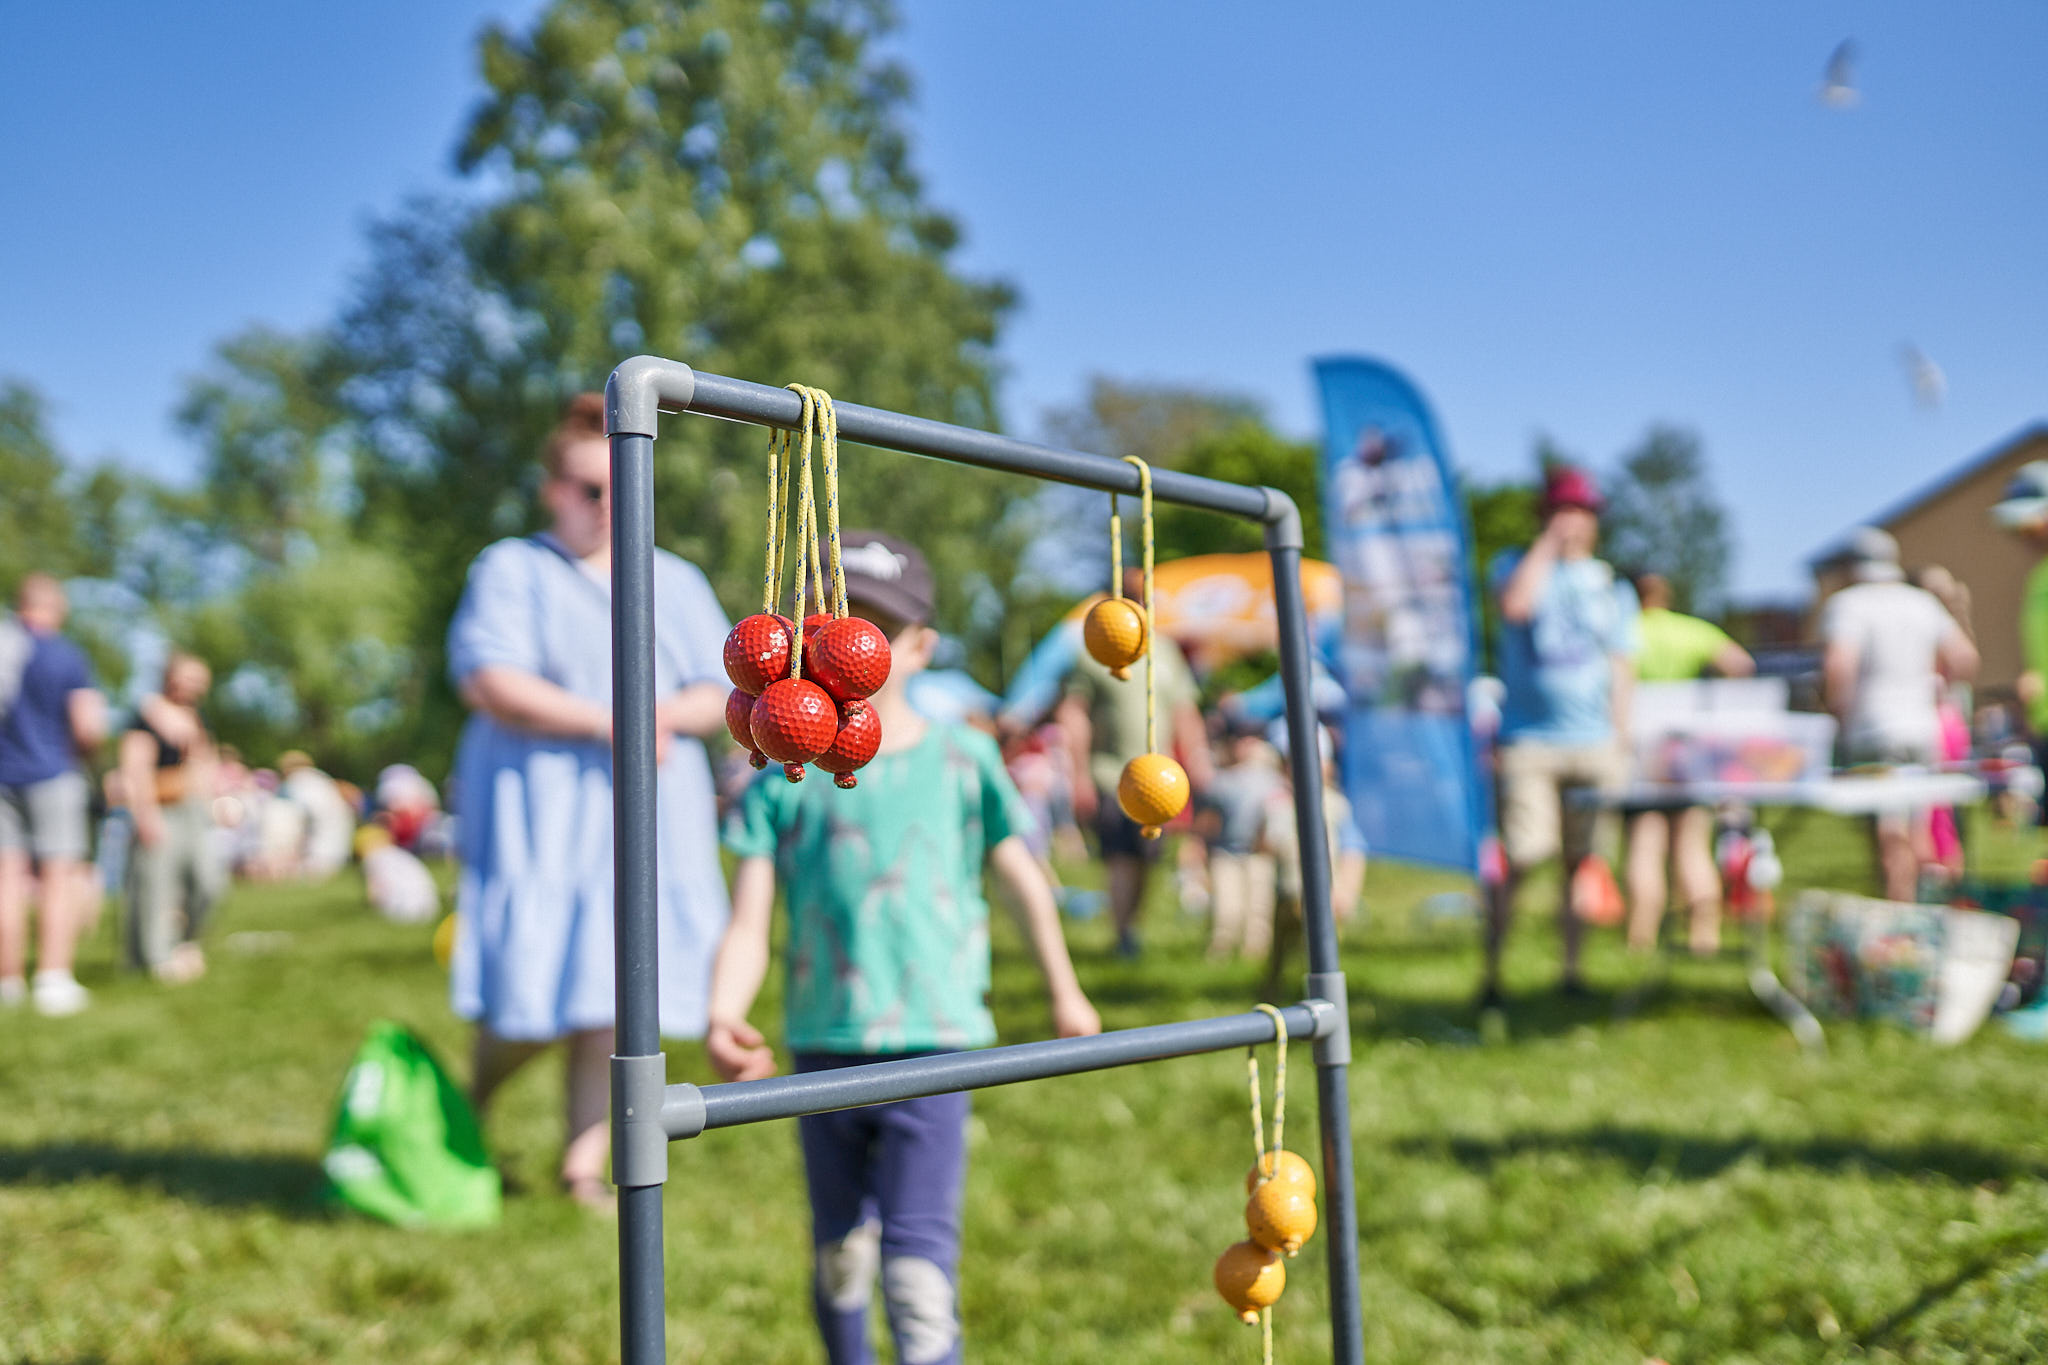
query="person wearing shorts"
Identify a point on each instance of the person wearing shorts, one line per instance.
(1104, 721)
(1566, 655)
(2024, 512)
(1889, 646)
(53, 714)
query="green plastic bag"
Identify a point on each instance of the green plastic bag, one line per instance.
(406, 1147)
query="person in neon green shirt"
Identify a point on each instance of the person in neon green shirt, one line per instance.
(1676, 648)
(2024, 509)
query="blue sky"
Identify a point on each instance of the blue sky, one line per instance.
(1574, 220)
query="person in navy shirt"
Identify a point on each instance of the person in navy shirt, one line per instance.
(53, 715)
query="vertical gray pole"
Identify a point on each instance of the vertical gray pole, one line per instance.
(1325, 974)
(642, 1328)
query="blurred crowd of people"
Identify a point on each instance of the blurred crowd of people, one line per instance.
(153, 816)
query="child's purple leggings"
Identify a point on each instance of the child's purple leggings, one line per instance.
(885, 1185)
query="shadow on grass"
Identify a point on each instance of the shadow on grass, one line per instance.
(1692, 1158)
(286, 1184)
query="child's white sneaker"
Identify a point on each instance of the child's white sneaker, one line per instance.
(58, 994)
(13, 990)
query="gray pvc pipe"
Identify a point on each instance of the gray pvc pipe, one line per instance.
(689, 1110)
(642, 1326)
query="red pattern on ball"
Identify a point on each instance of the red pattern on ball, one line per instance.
(794, 721)
(860, 735)
(850, 660)
(757, 652)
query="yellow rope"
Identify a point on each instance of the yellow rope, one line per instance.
(807, 527)
(830, 444)
(780, 458)
(1116, 548)
(1251, 1061)
(1151, 639)
(1259, 1148)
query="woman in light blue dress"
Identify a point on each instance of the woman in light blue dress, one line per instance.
(530, 652)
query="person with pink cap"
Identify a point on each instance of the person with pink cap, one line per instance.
(1565, 652)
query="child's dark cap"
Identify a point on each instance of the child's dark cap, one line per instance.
(887, 573)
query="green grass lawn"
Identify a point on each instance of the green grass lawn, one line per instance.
(1680, 1183)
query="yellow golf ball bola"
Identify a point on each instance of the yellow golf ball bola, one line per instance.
(1250, 1277)
(1152, 790)
(1280, 1217)
(1114, 634)
(1281, 1168)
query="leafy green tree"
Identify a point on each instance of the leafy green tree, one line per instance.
(1165, 425)
(1663, 516)
(38, 520)
(1247, 452)
(717, 180)
(309, 622)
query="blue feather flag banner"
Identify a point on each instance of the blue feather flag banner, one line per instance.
(1409, 644)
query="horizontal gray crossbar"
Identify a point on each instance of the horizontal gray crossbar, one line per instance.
(688, 1110)
(645, 386)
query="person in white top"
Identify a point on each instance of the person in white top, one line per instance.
(1889, 649)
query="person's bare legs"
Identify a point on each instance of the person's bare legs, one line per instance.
(1649, 836)
(1898, 862)
(1500, 915)
(589, 1109)
(60, 914)
(14, 886)
(494, 1062)
(1127, 875)
(1570, 930)
(1228, 895)
(1699, 881)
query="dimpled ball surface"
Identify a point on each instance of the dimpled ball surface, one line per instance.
(1249, 1278)
(794, 721)
(860, 735)
(1114, 633)
(739, 719)
(1152, 790)
(1283, 1168)
(1280, 1217)
(757, 652)
(850, 658)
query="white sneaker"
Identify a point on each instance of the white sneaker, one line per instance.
(59, 994)
(13, 990)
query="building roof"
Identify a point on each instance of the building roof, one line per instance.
(1839, 546)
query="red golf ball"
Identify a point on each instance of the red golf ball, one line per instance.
(793, 722)
(860, 735)
(757, 652)
(739, 723)
(850, 659)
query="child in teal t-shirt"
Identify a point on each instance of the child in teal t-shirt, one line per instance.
(888, 956)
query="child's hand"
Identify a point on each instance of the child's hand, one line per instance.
(737, 1051)
(1073, 1016)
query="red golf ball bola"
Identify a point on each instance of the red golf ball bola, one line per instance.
(757, 652)
(739, 723)
(860, 735)
(793, 722)
(849, 658)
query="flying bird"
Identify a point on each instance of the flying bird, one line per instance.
(1930, 385)
(1838, 86)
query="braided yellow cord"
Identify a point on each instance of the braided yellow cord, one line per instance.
(1151, 639)
(1251, 1062)
(780, 458)
(1116, 549)
(807, 526)
(1259, 1148)
(830, 442)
